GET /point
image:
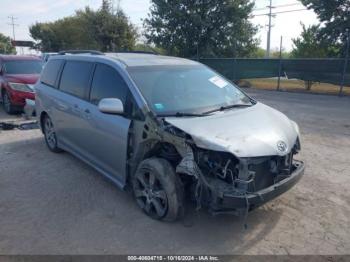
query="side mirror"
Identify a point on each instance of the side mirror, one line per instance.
(111, 106)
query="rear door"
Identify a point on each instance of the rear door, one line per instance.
(46, 90)
(70, 103)
(106, 135)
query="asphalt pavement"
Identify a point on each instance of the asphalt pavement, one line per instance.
(55, 204)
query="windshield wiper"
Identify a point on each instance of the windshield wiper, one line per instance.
(223, 108)
(183, 114)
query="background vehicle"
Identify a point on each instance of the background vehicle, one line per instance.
(163, 125)
(45, 56)
(18, 74)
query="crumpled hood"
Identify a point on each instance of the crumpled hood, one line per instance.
(245, 132)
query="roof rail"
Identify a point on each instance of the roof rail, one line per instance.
(138, 52)
(92, 52)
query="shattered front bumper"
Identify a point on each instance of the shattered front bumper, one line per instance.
(229, 202)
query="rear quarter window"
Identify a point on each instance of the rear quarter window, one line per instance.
(50, 73)
(76, 77)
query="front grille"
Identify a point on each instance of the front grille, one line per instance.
(270, 171)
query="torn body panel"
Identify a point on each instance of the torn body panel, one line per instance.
(221, 181)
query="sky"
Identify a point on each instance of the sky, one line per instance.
(31, 11)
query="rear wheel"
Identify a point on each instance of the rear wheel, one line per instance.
(7, 104)
(50, 135)
(158, 190)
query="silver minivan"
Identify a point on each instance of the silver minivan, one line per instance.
(167, 127)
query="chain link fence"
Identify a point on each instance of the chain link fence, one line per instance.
(332, 71)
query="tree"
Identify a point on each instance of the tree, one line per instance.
(275, 53)
(334, 17)
(6, 46)
(149, 48)
(258, 53)
(205, 27)
(309, 45)
(104, 29)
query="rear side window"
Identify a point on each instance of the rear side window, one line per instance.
(76, 78)
(107, 83)
(50, 72)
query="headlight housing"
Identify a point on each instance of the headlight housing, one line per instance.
(297, 145)
(296, 127)
(21, 87)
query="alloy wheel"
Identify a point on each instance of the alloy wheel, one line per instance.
(50, 133)
(150, 194)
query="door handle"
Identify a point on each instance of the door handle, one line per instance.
(76, 109)
(87, 114)
(61, 106)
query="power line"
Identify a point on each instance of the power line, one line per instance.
(277, 6)
(281, 12)
(285, 5)
(289, 11)
(272, 14)
(12, 23)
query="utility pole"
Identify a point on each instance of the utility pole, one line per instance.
(13, 24)
(118, 5)
(268, 47)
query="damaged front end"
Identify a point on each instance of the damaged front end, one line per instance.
(239, 185)
(220, 181)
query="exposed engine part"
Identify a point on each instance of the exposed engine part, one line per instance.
(188, 166)
(218, 164)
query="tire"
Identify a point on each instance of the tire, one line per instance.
(7, 104)
(50, 135)
(158, 190)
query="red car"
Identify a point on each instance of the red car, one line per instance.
(18, 74)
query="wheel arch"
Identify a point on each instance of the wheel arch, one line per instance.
(164, 150)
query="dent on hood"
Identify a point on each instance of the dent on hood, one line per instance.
(250, 132)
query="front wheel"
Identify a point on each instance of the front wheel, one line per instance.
(158, 190)
(50, 135)
(7, 104)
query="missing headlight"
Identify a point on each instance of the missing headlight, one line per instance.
(218, 164)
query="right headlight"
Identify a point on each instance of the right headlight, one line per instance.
(21, 87)
(297, 145)
(296, 127)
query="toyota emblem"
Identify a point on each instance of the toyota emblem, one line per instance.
(281, 146)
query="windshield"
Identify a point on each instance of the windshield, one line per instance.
(23, 67)
(185, 89)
